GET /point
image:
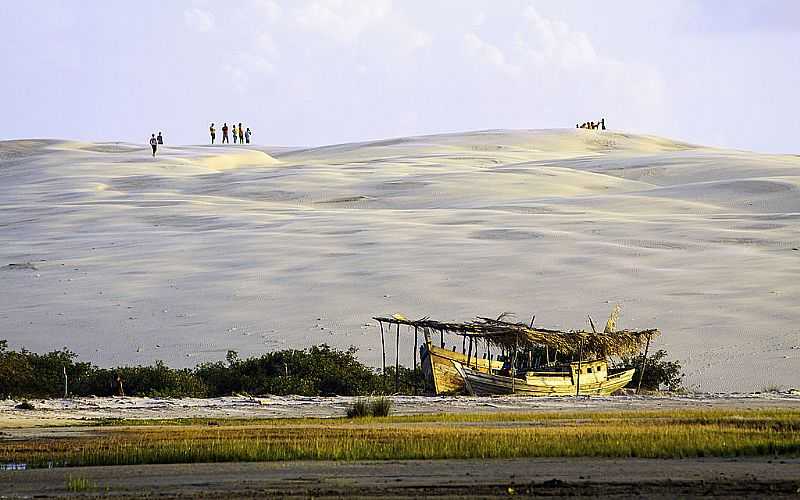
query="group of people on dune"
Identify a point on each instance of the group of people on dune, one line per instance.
(238, 133)
(155, 142)
(593, 125)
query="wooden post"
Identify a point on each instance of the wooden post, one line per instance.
(397, 362)
(463, 344)
(383, 349)
(489, 355)
(469, 352)
(416, 349)
(644, 363)
(66, 385)
(514, 363)
(416, 346)
(580, 356)
(441, 338)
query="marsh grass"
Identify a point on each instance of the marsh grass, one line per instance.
(363, 408)
(359, 408)
(380, 407)
(650, 434)
(80, 484)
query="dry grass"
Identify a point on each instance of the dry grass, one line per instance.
(652, 434)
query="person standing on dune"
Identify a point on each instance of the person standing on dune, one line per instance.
(225, 133)
(234, 133)
(153, 144)
(160, 139)
(247, 135)
(213, 133)
(241, 134)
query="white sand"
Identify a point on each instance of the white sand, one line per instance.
(208, 249)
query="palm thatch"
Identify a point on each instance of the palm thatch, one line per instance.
(510, 335)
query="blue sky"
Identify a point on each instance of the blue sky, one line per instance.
(316, 72)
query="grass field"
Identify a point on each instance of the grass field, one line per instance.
(648, 434)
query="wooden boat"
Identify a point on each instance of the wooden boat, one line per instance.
(439, 368)
(595, 379)
(451, 372)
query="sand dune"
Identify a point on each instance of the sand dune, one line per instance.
(206, 249)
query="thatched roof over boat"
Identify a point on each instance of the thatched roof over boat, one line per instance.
(510, 335)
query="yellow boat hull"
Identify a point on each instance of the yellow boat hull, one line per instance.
(440, 371)
(544, 383)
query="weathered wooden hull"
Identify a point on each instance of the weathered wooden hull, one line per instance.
(542, 383)
(440, 371)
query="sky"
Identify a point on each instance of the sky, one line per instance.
(312, 72)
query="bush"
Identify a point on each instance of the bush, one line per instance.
(381, 407)
(316, 371)
(359, 408)
(378, 407)
(658, 373)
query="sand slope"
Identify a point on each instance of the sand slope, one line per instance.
(208, 249)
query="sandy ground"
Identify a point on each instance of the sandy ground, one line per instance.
(64, 412)
(127, 259)
(605, 478)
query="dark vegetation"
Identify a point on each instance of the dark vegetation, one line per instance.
(316, 371)
(378, 407)
(658, 372)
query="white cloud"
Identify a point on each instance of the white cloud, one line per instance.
(345, 21)
(553, 41)
(266, 10)
(550, 61)
(198, 19)
(342, 20)
(488, 54)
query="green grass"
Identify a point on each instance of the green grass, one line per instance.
(378, 407)
(685, 415)
(651, 434)
(80, 484)
(359, 408)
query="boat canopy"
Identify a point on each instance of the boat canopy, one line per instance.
(512, 335)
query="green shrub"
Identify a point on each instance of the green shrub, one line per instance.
(380, 407)
(359, 408)
(316, 371)
(658, 373)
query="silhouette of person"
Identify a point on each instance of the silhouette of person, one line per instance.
(160, 139)
(154, 144)
(225, 133)
(213, 133)
(247, 134)
(602, 123)
(235, 134)
(241, 134)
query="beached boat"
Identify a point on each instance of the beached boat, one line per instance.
(439, 368)
(584, 378)
(543, 361)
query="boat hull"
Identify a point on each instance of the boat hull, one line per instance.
(541, 384)
(439, 368)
